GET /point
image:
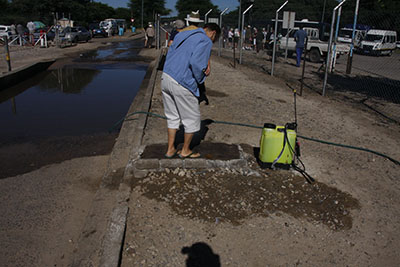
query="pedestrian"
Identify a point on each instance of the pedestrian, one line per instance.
(186, 66)
(236, 36)
(179, 25)
(259, 40)
(230, 37)
(224, 36)
(13, 30)
(150, 35)
(254, 37)
(31, 27)
(247, 36)
(264, 41)
(300, 37)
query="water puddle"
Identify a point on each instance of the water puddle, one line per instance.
(70, 101)
(82, 99)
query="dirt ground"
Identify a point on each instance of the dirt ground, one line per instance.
(246, 217)
(349, 217)
(47, 185)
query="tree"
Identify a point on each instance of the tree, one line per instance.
(98, 12)
(150, 8)
(185, 7)
(123, 13)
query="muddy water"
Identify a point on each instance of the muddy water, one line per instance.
(66, 111)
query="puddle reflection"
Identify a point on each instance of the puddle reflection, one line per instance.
(69, 101)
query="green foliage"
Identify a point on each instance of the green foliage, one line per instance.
(383, 14)
(98, 12)
(82, 12)
(185, 7)
(150, 8)
(123, 13)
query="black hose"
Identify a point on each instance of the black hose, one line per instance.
(260, 127)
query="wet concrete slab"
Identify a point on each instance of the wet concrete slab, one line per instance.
(207, 150)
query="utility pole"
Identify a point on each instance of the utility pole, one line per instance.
(142, 12)
(323, 12)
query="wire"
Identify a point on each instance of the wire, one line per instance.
(260, 127)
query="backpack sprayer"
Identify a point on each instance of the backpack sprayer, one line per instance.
(279, 147)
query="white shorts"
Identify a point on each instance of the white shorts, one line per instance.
(180, 105)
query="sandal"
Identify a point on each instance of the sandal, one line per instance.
(172, 156)
(190, 156)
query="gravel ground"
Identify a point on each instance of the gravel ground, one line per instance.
(349, 217)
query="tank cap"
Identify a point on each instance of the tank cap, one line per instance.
(269, 125)
(291, 126)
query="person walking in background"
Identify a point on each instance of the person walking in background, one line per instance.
(236, 36)
(230, 37)
(150, 35)
(31, 27)
(300, 37)
(264, 33)
(186, 67)
(179, 25)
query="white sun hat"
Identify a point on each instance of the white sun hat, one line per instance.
(194, 17)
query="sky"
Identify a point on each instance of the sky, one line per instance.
(222, 4)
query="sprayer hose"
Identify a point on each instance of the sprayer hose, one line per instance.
(260, 127)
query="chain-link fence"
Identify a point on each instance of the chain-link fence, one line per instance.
(371, 79)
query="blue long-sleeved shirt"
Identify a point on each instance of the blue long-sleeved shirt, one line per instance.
(187, 58)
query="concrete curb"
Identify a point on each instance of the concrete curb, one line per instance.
(141, 167)
(113, 241)
(101, 240)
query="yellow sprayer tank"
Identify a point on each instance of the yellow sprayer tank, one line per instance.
(272, 143)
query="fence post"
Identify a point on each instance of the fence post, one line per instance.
(330, 47)
(7, 53)
(275, 35)
(205, 16)
(221, 35)
(241, 34)
(334, 54)
(350, 58)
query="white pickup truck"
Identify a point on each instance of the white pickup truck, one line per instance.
(316, 48)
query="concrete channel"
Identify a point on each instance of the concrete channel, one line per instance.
(101, 239)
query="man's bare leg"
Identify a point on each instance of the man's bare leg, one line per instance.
(186, 146)
(171, 140)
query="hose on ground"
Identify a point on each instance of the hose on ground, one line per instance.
(260, 127)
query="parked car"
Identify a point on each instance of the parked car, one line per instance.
(346, 34)
(96, 30)
(5, 31)
(379, 42)
(76, 34)
(50, 33)
(316, 48)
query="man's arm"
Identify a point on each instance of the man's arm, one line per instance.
(199, 60)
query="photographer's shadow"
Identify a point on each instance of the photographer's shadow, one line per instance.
(201, 255)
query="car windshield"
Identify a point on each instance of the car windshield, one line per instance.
(104, 24)
(346, 33)
(373, 38)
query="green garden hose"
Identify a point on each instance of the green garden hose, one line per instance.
(260, 127)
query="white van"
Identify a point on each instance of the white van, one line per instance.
(379, 42)
(345, 35)
(109, 24)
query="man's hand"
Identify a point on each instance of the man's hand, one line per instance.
(208, 70)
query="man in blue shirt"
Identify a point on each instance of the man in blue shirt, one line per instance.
(186, 67)
(300, 36)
